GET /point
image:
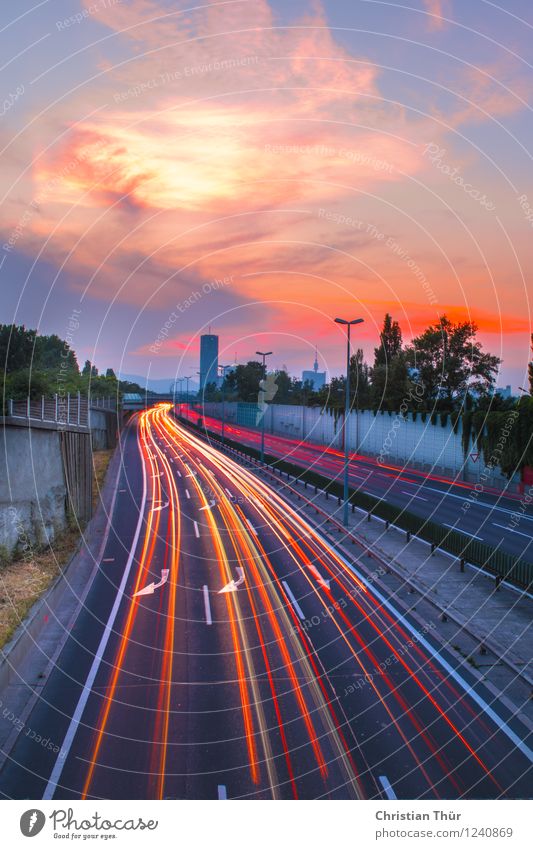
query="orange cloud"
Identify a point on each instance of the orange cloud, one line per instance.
(438, 10)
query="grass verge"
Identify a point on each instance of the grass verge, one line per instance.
(23, 581)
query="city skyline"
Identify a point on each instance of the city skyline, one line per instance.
(328, 191)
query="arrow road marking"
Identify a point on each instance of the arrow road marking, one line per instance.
(233, 586)
(161, 507)
(207, 506)
(153, 586)
(323, 583)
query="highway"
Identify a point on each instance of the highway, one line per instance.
(483, 515)
(256, 662)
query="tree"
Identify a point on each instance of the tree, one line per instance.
(110, 374)
(16, 347)
(244, 381)
(391, 384)
(450, 361)
(359, 380)
(53, 353)
(391, 342)
(89, 370)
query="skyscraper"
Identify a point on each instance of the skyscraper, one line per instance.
(208, 359)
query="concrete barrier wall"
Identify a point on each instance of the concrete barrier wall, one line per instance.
(32, 487)
(395, 440)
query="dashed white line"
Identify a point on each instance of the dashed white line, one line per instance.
(196, 530)
(222, 792)
(187, 493)
(253, 530)
(410, 494)
(207, 605)
(511, 530)
(387, 787)
(179, 473)
(294, 603)
(460, 530)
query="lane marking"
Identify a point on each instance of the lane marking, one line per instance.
(476, 503)
(387, 787)
(469, 689)
(207, 605)
(187, 493)
(294, 603)
(253, 530)
(233, 586)
(149, 590)
(410, 494)
(511, 530)
(87, 688)
(321, 581)
(179, 473)
(222, 792)
(196, 530)
(123, 490)
(460, 530)
(108, 560)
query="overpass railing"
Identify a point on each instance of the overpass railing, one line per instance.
(65, 408)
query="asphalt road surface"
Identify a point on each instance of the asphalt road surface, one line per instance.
(257, 663)
(483, 515)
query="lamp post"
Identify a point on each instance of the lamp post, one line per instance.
(223, 370)
(187, 395)
(180, 381)
(348, 325)
(264, 354)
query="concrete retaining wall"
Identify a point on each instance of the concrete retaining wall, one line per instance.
(397, 441)
(32, 487)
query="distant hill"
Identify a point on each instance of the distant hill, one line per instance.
(161, 385)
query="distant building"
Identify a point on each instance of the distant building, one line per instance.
(506, 392)
(316, 378)
(208, 359)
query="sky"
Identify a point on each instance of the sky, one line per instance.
(260, 168)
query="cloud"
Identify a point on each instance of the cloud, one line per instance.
(438, 10)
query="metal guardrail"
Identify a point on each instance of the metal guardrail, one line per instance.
(66, 409)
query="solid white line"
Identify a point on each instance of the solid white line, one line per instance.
(511, 530)
(222, 792)
(82, 701)
(187, 493)
(459, 530)
(410, 494)
(466, 498)
(207, 606)
(295, 604)
(468, 688)
(385, 783)
(196, 529)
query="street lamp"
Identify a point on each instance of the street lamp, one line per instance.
(264, 355)
(348, 325)
(180, 381)
(223, 370)
(187, 395)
